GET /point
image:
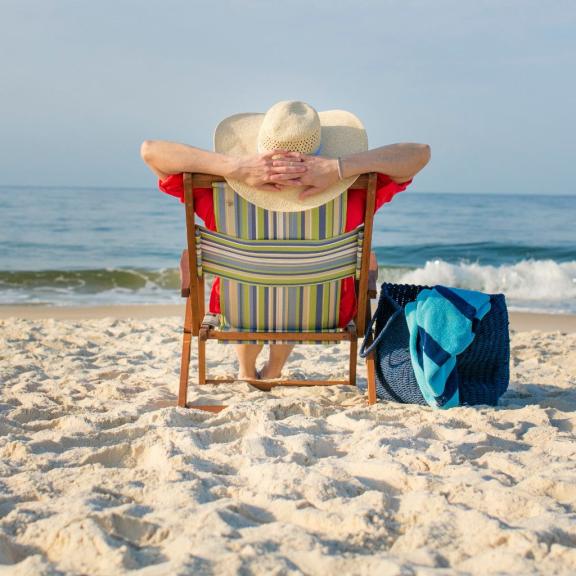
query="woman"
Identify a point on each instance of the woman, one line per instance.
(291, 158)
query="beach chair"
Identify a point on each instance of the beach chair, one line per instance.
(274, 291)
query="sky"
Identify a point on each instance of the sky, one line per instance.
(489, 84)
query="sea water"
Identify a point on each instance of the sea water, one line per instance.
(91, 246)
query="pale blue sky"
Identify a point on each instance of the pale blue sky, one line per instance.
(489, 84)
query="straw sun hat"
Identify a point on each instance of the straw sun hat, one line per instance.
(296, 127)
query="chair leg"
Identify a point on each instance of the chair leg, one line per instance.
(185, 360)
(184, 369)
(188, 316)
(371, 378)
(370, 369)
(201, 361)
(353, 360)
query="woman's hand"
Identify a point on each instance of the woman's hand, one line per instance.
(259, 170)
(320, 172)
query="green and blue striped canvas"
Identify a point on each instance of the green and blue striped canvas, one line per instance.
(250, 302)
(278, 262)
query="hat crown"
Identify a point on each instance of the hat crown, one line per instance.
(290, 125)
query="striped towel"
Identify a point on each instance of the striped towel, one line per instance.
(442, 323)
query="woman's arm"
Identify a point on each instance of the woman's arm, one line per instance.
(400, 162)
(165, 158)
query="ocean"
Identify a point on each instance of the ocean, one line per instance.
(90, 246)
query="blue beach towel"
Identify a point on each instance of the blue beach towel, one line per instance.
(442, 323)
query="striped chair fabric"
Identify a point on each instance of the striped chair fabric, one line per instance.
(279, 271)
(279, 262)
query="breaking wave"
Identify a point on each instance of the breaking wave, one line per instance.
(536, 285)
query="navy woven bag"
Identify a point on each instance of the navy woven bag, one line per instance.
(483, 368)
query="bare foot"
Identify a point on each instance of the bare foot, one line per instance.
(278, 355)
(248, 375)
(269, 373)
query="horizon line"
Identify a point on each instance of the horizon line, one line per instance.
(100, 187)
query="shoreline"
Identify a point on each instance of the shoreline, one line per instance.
(519, 321)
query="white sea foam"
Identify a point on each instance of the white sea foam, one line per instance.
(537, 285)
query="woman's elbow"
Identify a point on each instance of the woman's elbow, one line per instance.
(147, 151)
(425, 153)
(421, 155)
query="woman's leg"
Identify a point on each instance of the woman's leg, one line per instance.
(247, 354)
(278, 355)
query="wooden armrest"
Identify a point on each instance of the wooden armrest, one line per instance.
(209, 323)
(184, 275)
(372, 276)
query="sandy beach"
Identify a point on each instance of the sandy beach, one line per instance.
(519, 321)
(102, 474)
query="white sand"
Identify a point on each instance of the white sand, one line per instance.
(101, 474)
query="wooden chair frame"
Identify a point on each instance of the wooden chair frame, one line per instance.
(192, 288)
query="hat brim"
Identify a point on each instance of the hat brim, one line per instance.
(342, 133)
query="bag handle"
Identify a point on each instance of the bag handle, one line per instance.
(364, 350)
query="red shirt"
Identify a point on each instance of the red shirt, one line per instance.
(386, 189)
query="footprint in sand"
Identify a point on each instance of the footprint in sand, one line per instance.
(109, 544)
(12, 553)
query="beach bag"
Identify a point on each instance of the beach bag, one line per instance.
(483, 368)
